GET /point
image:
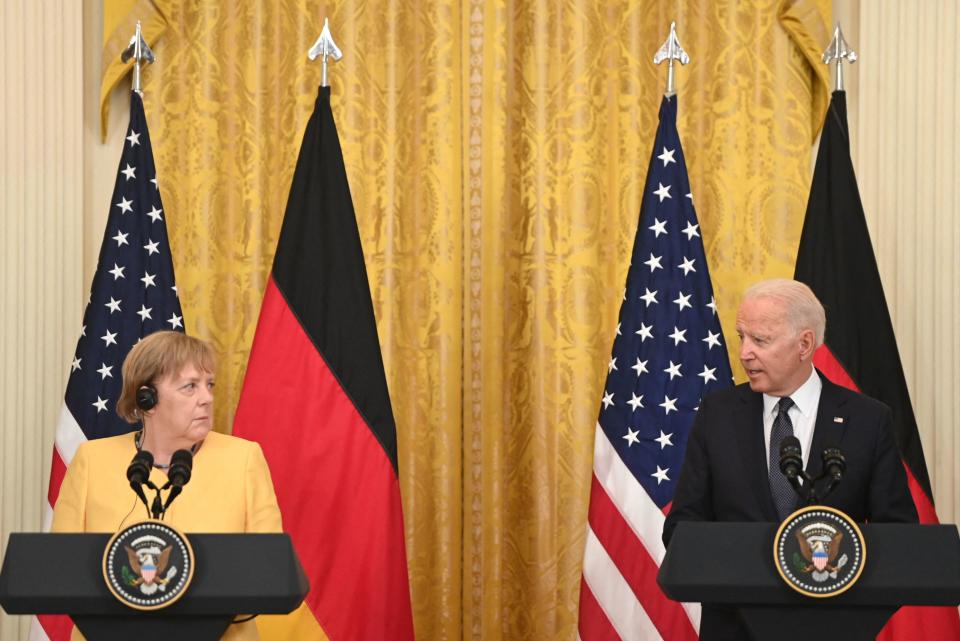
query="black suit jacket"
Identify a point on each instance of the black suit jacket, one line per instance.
(724, 473)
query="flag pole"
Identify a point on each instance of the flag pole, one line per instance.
(670, 51)
(326, 47)
(139, 51)
(837, 52)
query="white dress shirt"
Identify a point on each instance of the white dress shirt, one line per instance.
(803, 415)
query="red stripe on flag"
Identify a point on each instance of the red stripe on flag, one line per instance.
(925, 509)
(56, 626)
(594, 624)
(57, 471)
(636, 566)
(337, 490)
(913, 622)
(826, 362)
(922, 622)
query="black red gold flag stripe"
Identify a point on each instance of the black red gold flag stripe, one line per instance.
(315, 397)
(836, 260)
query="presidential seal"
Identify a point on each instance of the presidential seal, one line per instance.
(819, 551)
(148, 565)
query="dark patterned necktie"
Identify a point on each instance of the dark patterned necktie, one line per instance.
(784, 497)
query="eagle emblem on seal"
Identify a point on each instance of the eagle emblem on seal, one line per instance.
(148, 563)
(819, 545)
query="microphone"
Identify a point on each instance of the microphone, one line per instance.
(181, 467)
(138, 473)
(834, 463)
(834, 466)
(791, 464)
(791, 458)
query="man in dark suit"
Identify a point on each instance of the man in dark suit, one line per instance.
(731, 468)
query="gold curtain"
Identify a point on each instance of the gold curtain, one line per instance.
(495, 153)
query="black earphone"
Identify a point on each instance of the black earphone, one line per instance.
(146, 397)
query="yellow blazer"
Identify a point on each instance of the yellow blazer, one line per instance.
(230, 490)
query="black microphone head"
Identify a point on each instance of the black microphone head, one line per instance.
(833, 462)
(139, 469)
(181, 466)
(790, 445)
(791, 459)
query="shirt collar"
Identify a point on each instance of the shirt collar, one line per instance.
(805, 397)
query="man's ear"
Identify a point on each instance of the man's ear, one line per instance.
(807, 343)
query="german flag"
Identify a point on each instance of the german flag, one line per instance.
(315, 397)
(836, 260)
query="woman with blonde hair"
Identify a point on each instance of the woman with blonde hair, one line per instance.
(168, 382)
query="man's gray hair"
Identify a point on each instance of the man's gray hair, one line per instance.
(800, 306)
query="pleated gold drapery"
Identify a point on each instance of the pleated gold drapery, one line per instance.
(495, 152)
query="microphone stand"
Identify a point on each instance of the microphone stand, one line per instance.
(178, 475)
(834, 467)
(808, 490)
(156, 507)
(175, 491)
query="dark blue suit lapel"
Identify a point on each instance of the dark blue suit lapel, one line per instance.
(829, 428)
(750, 436)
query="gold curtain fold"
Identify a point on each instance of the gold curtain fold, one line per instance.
(563, 108)
(496, 152)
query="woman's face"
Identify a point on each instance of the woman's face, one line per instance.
(184, 409)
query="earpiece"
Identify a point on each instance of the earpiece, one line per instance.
(146, 397)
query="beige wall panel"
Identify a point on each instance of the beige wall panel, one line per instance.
(904, 94)
(41, 202)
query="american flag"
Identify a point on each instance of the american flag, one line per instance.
(133, 294)
(668, 352)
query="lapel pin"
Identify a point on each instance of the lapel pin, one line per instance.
(838, 419)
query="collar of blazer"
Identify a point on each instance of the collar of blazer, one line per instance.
(830, 427)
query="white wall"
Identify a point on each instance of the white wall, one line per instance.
(55, 185)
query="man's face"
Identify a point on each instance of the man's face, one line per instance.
(774, 355)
